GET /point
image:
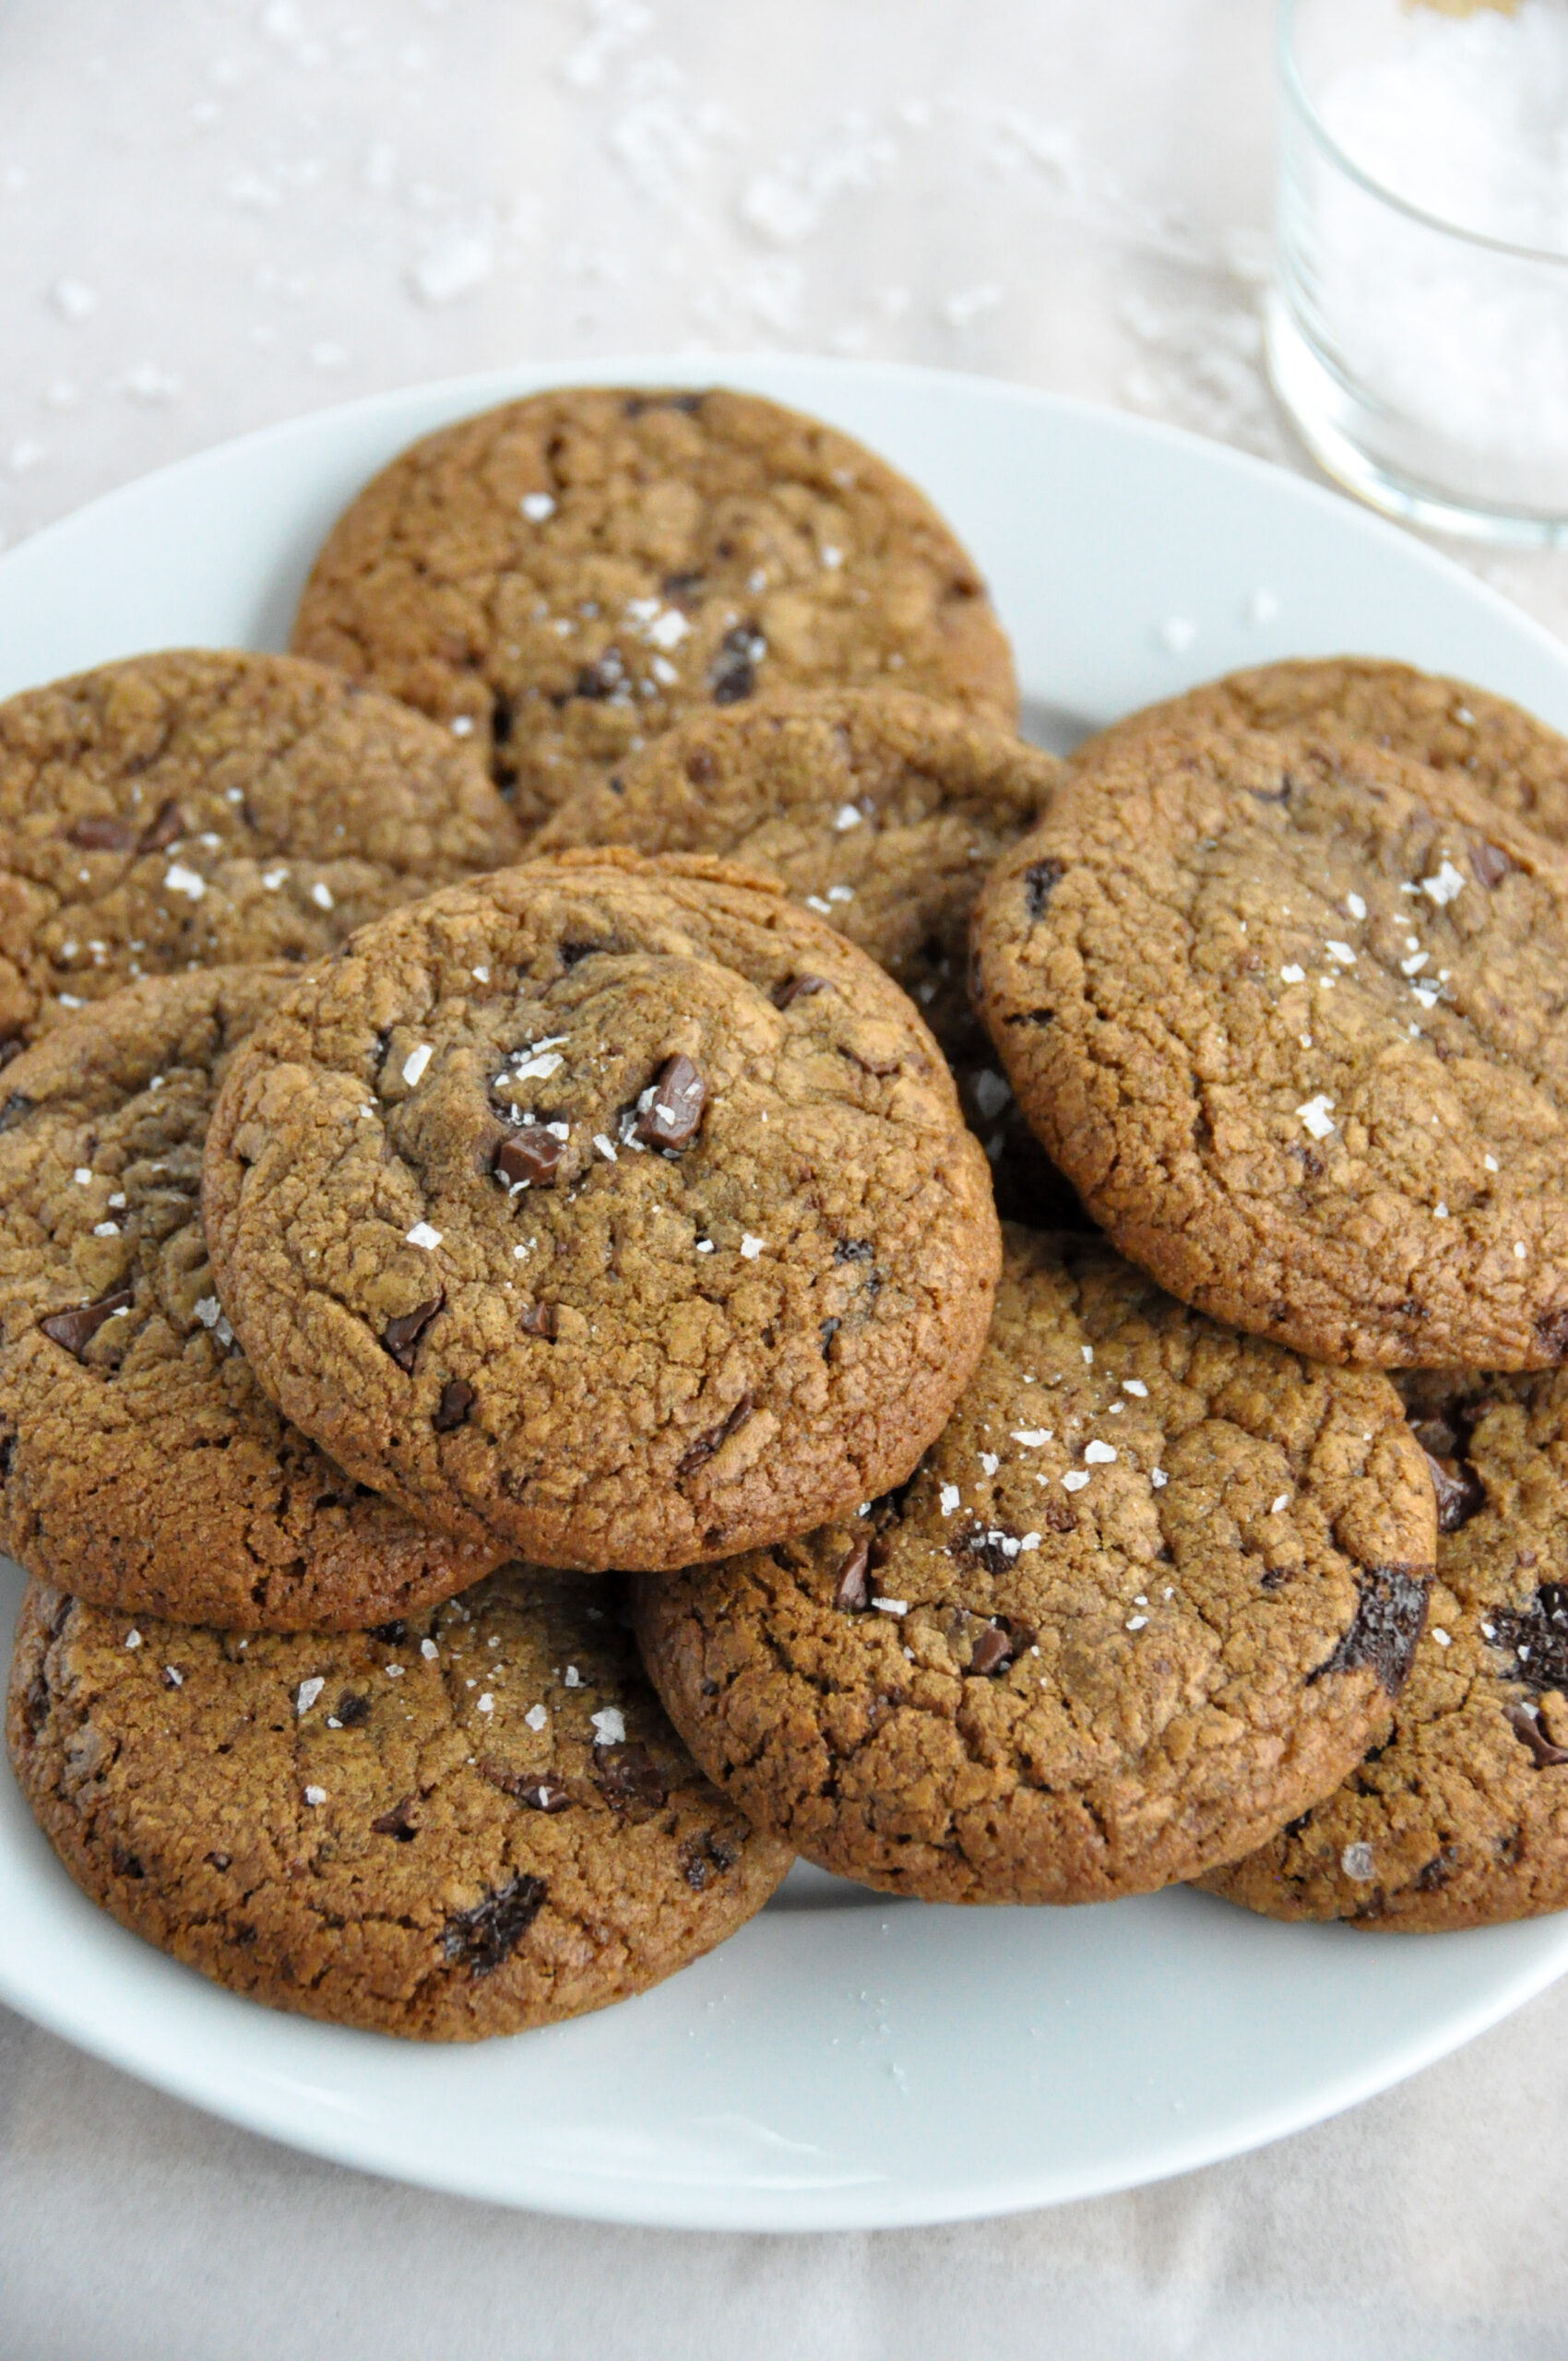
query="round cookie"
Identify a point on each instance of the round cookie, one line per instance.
(882, 812)
(1151, 1590)
(1450, 725)
(570, 574)
(1460, 1818)
(612, 1209)
(194, 809)
(1288, 1019)
(457, 1826)
(141, 1463)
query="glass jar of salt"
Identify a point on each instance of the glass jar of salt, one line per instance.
(1417, 330)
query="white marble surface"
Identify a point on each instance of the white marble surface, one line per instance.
(215, 213)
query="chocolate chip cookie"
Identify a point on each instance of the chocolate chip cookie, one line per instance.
(612, 1208)
(1450, 725)
(467, 1822)
(1461, 1818)
(1154, 1589)
(1288, 1017)
(570, 574)
(882, 812)
(141, 1463)
(194, 809)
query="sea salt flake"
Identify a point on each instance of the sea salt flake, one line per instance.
(479, 975)
(486, 1702)
(1087, 1351)
(174, 1675)
(538, 1067)
(1099, 1454)
(849, 816)
(1355, 905)
(416, 1061)
(990, 1461)
(1313, 1113)
(1357, 1863)
(1280, 1501)
(573, 1677)
(1442, 887)
(1440, 1211)
(751, 1247)
(82, 1175)
(535, 1717)
(273, 878)
(815, 902)
(423, 1235)
(668, 629)
(1519, 1249)
(611, 1724)
(1440, 1636)
(891, 1605)
(429, 1650)
(1030, 1437)
(178, 879)
(1413, 966)
(314, 1796)
(840, 893)
(1028, 1541)
(537, 506)
(948, 1499)
(1342, 951)
(133, 1639)
(1491, 1163)
(1075, 1479)
(307, 1693)
(1134, 1386)
(1136, 1622)
(1158, 1477)
(207, 1310)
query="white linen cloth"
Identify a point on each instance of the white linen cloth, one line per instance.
(216, 213)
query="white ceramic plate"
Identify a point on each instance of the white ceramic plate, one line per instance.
(845, 2061)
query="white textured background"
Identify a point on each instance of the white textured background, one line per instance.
(216, 213)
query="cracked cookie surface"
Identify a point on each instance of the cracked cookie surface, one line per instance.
(200, 809)
(1460, 1818)
(569, 574)
(612, 1208)
(1449, 725)
(880, 810)
(141, 1463)
(1154, 1582)
(1288, 1015)
(466, 1823)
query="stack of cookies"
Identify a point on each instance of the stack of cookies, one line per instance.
(516, 1400)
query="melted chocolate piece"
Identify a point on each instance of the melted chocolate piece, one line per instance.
(707, 1857)
(680, 1095)
(401, 1336)
(11, 1049)
(484, 1939)
(983, 1545)
(732, 674)
(1385, 1629)
(391, 1632)
(1552, 1330)
(539, 1795)
(798, 988)
(1039, 883)
(1491, 864)
(627, 1775)
(1526, 1725)
(18, 1105)
(530, 1154)
(1539, 1637)
(1438, 1870)
(457, 1401)
(352, 1708)
(680, 590)
(165, 830)
(991, 1651)
(76, 1329)
(849, 1591)
(103, 835)
(1460, 1492)
(603, 677)
(540, 1319)
(853, 1250)
(397, 1822)
(705, 1445)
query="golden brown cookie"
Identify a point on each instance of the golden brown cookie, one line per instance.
(1152, 1590)
(141, 1463)
(1288, 1017)
(194, 809)
(1460, 1818)
(461, 1824)
(882, 812)
(1450, 725)
(568, 575)
(611, 1207)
